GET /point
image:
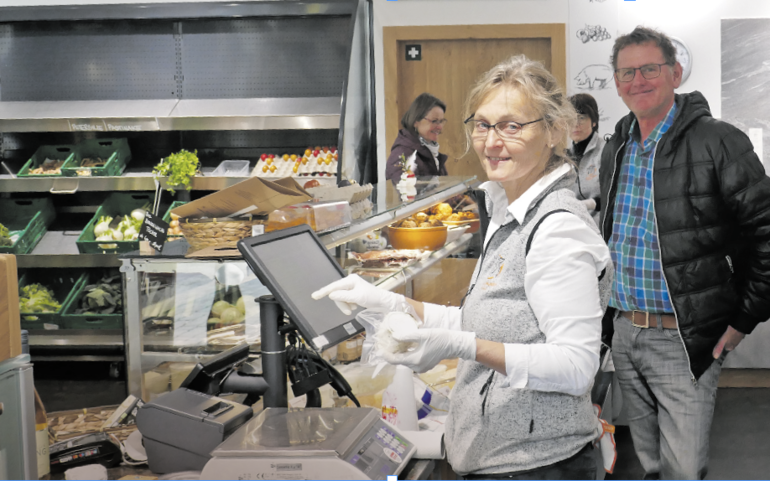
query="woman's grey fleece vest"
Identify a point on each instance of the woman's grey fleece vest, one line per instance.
(492, 429)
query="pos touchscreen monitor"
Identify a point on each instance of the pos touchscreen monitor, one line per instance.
(293, 263)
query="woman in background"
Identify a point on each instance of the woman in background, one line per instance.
(417, 141)
(586, 151)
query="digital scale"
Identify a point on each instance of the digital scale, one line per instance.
(312, 443)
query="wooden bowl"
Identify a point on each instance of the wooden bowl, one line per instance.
(427, 238)
(474, 224)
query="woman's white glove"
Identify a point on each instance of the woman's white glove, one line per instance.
(353, 291)
(590, 204)
(433, 346)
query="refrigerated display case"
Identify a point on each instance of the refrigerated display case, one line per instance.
(182, 310)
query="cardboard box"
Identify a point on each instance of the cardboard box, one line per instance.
(10, 322)
(254, 196)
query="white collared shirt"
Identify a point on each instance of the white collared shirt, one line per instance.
(561, 284)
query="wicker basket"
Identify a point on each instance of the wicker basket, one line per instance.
(216, 232)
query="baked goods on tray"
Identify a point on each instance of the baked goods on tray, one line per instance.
(389, 257)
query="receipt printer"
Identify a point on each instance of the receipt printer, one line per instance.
(181, 428)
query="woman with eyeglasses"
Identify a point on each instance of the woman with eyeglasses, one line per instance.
(528, 332)
(417, 141)
(586, 152)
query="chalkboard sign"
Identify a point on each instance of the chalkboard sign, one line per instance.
(154, 230)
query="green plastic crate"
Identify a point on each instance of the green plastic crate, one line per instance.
(29, 219)
(167, 217)
(117, 204)
(89, 321)
(63, 282)
(58, 152)
(116, 152)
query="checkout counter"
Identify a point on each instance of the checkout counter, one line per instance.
(192, 429)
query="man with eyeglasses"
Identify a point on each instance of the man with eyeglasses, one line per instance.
(687, 221)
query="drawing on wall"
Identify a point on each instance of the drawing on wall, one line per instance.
(594, 77)
(597, 33)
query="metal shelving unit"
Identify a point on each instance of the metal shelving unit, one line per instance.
(230, 77)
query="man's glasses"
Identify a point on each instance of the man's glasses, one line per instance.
(435, 122)
(507, 129)
(649, 71)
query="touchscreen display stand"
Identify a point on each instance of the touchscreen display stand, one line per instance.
(293, 263)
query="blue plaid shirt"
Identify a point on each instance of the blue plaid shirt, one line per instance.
(639, 283)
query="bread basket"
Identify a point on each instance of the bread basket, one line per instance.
(202, 233)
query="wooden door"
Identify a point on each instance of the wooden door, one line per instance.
(452, 59)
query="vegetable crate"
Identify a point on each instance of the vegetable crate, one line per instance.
(63, 283)
(116, 205)
(29, 219)
(114, 152)
(65, 153)
(72, 320)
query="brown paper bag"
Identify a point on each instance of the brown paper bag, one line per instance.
(254, 196)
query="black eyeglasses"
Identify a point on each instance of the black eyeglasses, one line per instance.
(649, 71)
(506, 129)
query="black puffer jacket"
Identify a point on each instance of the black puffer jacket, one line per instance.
(712, 209)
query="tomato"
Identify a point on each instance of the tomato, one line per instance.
(264, 169)
(285, 157)
(272, 168)
(304, 160)
(263, 156)
(308, 152)
(293, 157)
(320, 161)
(326, 149)
(295, 169)
(272, 156)
(316, 152)
(311, 183)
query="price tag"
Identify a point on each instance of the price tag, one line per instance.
(154, 231)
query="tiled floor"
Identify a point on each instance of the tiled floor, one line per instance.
(739, 437)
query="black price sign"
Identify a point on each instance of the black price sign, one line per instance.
(154, 231)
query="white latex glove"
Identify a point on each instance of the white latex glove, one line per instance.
(590, 204)
(353, 291)
(433, 346)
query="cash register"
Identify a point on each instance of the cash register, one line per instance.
(278, 442)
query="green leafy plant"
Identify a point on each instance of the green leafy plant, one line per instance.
(37, 298)
(104, 297)
(5, 236)
(179, 168)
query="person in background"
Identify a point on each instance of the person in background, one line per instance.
(528, 332)
(417, 141)
(687, 217)
(586, 151)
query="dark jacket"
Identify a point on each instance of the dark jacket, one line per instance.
(406, 143)
(712, 210)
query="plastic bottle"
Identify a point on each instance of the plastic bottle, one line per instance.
(398, 404)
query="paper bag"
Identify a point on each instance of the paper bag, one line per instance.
(254, 196)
